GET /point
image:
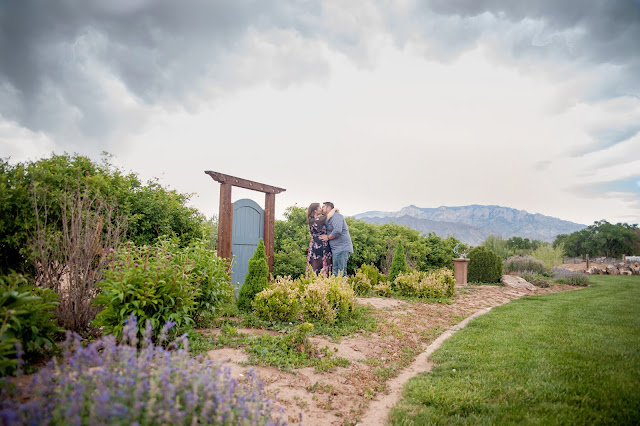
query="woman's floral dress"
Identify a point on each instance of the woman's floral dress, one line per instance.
(319, 257)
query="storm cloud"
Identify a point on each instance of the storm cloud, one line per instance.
(83, 69)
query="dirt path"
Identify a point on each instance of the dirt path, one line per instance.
(381, 362)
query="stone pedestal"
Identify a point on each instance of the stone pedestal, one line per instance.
(460, 267)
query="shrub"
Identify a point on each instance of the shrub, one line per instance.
(372, 273)
(27, 318)
(549, 256)
(565, 276)
(256, 279)
(149, 283)
(278, 302)
(398, 264)
(484, 266)
(71, 260)
(360, 283)
(516, 264)
(320, 299)
(109, 383)
(209, 273)
(431, 285)
(535, 279)
(383, 288)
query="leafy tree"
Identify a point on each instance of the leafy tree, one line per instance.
(602, 239)
(291, 243)
(496, 244)
(151, 210)
(399, 263)
(257, 277)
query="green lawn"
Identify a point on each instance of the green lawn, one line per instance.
(563, 358)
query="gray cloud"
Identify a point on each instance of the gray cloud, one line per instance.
(588, 33)
(62, 59)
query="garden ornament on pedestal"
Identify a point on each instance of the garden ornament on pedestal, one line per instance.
(460, 266)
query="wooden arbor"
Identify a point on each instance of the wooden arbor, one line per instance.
(225, 217)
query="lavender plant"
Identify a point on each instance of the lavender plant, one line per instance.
(108, 383)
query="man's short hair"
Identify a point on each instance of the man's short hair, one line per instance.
(329, 203)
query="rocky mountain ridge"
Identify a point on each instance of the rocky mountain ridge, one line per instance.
(474, 223)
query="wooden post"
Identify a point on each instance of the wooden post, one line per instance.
(225, 221)
(587, 261)
(269, 225)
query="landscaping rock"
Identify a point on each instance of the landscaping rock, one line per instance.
(516, 282)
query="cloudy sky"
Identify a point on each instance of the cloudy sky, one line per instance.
(374, 105)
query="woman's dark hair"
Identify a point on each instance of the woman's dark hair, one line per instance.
(312, 208)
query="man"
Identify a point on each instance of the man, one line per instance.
(339, 239)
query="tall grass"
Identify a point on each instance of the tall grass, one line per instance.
(563, 358)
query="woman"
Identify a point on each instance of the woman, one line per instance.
(319, 257)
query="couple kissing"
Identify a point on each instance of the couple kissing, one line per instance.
(330, 245)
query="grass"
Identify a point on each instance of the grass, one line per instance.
(563, 358)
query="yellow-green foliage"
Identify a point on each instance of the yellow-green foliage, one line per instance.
(311, 298)
(430, 285)
(360, 283)
(372, 273)
(278, 302)
(550, 256)
(383, 288)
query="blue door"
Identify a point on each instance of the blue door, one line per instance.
(248, 228)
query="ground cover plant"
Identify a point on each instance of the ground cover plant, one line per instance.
(136, 382)
(564, 358)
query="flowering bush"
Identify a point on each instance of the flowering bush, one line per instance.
(436, 284)
(319, 298)
(105, 383)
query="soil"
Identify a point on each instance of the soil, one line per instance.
(381, 362)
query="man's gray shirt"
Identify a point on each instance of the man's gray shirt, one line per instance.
(341, 240)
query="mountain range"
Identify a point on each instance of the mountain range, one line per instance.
(473, 224)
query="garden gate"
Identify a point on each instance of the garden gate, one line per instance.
(226, 217)
(248, 228)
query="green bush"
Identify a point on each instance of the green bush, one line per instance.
(372, 273)
(151, 209)
(361, 283)
(151, 283)
(516, 264)
(257, 278)
(314, 298)
(484, 266)
(549, 256)
(26, 316)
(280, 301)
(535, 279)
(436, 284)
(208, 272)
(398, 264)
